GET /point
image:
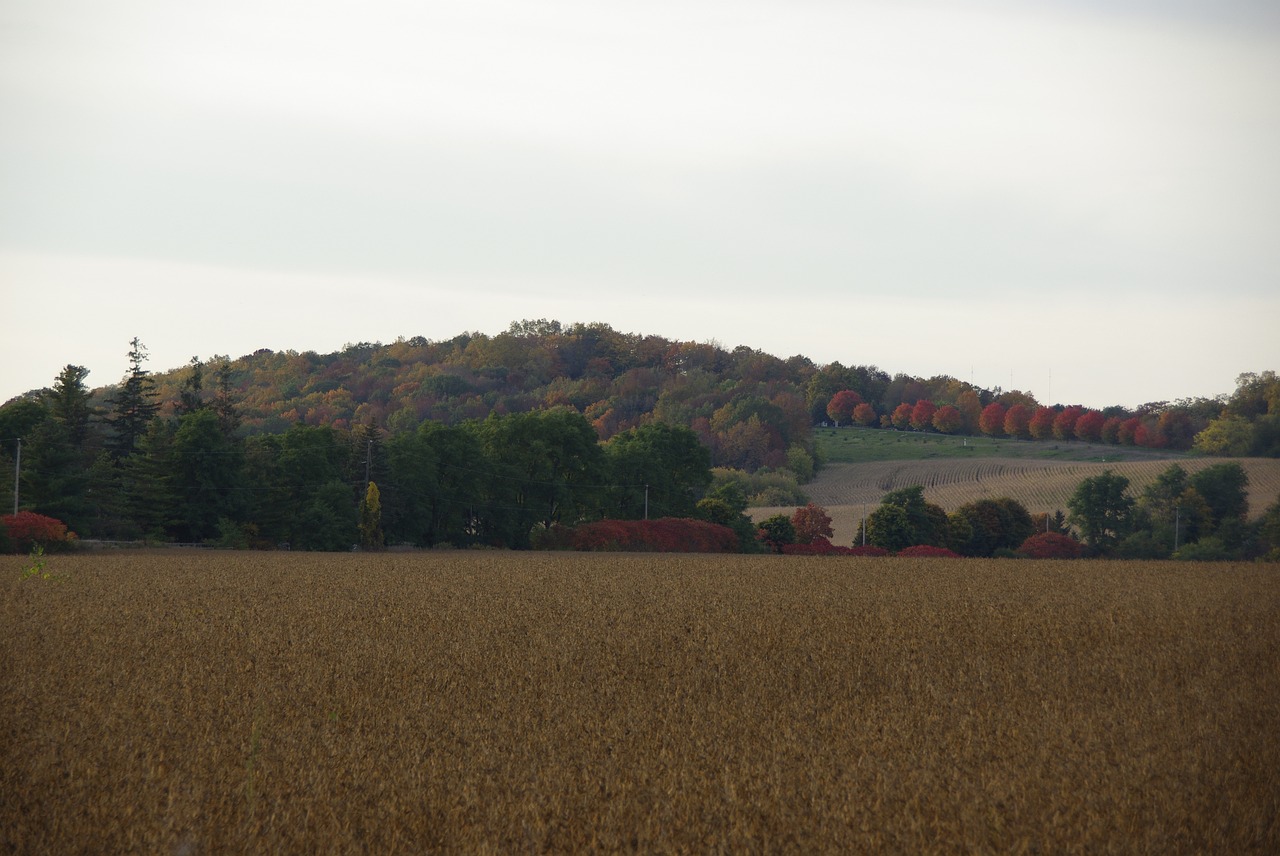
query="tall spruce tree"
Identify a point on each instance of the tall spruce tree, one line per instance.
(135, 404)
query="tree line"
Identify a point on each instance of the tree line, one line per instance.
(1202, 516)
(189, 474)
(1246, 423)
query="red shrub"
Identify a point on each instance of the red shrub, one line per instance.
(665, 535)
(924, 551)
(1050, 545)
(27, 529)
(823, 547)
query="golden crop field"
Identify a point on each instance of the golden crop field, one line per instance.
(851, 491)
(488, 702)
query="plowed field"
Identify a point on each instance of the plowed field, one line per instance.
(850, 491)
(489, 702)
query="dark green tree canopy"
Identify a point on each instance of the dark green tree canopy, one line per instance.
(1101, 509)
(134, 404)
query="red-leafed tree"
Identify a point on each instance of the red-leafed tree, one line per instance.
(1089, 426)
(1016, 421)
(1050, 545)
(811, 522)
(1064, 424)
(922, 414)
(841, 406)
(1041, 424)
(1128, 430)
(902, 417)
(991, 422)
(948, 419)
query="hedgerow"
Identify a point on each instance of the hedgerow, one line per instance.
(664, 535)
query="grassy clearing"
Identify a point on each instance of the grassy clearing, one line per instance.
(857, 445)
(491, 702)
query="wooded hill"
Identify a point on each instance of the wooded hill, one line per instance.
(751, 409)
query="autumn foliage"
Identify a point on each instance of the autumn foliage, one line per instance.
(991, 422)
(927, 551)
(26, 529)
(922, 414)
(665, 535)
(1050, 545)
(842, 406)
(948, 419)
(823, 547)
(811, 523)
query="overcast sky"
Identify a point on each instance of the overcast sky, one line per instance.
(1080, 199)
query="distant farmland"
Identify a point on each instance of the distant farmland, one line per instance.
(494, 702)
(850, 491)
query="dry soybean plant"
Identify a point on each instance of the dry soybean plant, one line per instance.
(493, 702)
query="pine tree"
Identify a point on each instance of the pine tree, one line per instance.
(134, 404)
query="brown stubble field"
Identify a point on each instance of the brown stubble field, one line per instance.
(185, 702)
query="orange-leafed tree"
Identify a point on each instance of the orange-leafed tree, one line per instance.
(901, 417)
(991, 422)
(1016, 421)
(811, 522)
(865, 414)
(841, 406)
(1041, 424)
(922, 414)
(948, 419)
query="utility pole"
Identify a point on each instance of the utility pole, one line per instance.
(17, 475)
(646, 502)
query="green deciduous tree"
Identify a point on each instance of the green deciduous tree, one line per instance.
(669, 460)
(777, 531)
(1101, 509)
(1225, 489)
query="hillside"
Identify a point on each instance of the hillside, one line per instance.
(851, 491)
(750, 408)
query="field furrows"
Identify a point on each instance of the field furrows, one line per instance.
(851, 491)
(497, 702)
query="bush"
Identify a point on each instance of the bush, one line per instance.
(665, 535)
(822, 546)
(1205, 550)
(26, 529)
(777, 532)
(927, 551)
(1050, 545)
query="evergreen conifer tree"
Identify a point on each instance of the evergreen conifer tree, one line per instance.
(134, 405)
